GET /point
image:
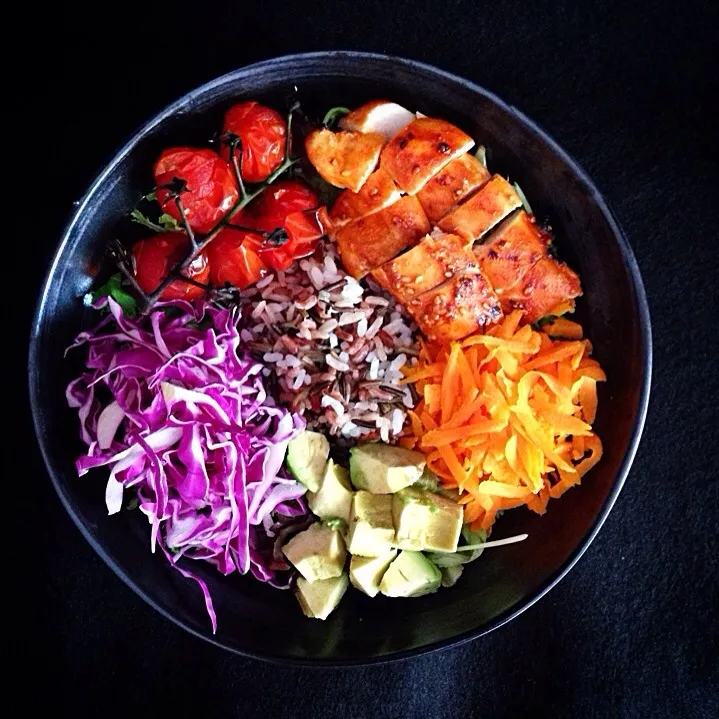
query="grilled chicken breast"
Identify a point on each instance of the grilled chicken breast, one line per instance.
(344, 159)
(427, 265)
(482, 211)
(517, 264)
(369, 242)
(457, 308)
(548, 288)
(511, 250)
(420, 150)
(387, 118)
(451, 184)
(377, 193)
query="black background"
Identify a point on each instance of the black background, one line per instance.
(628, 88)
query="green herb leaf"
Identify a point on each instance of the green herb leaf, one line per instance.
(168, 222)
(523, 198)
(113, 288)
(334, 114)
(543, 321)
(133, 503)
(336, 523)
(481, 154)
(450, 575)
(140, 218)
(326, 193)
(151, 197)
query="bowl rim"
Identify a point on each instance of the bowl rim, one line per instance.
(286, 62)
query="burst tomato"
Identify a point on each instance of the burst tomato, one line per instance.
(156, 256)
(211, 189)
(234, 258)
(262, 132)
(292, 206)
(280, 199)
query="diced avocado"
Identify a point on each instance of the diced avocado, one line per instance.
(384, 469)
(371, 530)
(410, 575)
(426, 521)
(428, 480)
(366, 572)
(318, 599)
(317, 553)
(307, 457)
(334, 496)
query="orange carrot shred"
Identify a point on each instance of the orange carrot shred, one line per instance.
(504, 410)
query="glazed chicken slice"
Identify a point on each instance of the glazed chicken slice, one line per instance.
(482, 211)
(387, 118)
(344, 159)
(369, 242)
(517, 264)
(377, 193)
(452, 184)
(427, 265)
(420, 150)
(511, 250)
(548, 288)
(457, 308)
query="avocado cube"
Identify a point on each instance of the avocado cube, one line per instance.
(318, 599)
(307, 458)
(371, 529)
(426, 521)
(317, 553)
(334, 496)
(366, 572)
(410, 575)
(384, 469)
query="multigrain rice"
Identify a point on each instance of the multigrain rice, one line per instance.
(334, 346)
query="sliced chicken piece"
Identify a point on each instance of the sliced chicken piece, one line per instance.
(377, 193)
(450, 185)
(369, 242)
(387, 118)
(430, 263)
(421, 149)
(483, 210)
(344, 159)
(457, 308)
(548, 288)
(510, 252)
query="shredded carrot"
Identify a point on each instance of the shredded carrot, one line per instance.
(562, 328)
(505, 416)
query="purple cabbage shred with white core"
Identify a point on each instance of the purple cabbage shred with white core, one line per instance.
(180, 415)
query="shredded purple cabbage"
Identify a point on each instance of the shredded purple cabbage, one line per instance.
(180, 414)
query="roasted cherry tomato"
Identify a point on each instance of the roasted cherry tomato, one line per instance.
(273, 210)
(234, 258)
(156, 256)
(211, 189)
(280, 199)
(262, 132)
(303, 230)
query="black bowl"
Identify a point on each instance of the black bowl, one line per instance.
(254, 619)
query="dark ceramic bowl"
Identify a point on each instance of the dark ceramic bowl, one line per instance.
(254, 619)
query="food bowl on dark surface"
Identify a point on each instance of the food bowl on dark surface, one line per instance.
(255, 619)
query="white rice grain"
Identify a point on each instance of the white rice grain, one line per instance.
(264, 282)
(336, 364)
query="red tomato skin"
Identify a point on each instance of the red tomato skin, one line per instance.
(263, 132)
(234, 258)
(211, 187)
(157, 255)
(280, 199)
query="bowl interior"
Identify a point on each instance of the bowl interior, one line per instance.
(253, 618)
